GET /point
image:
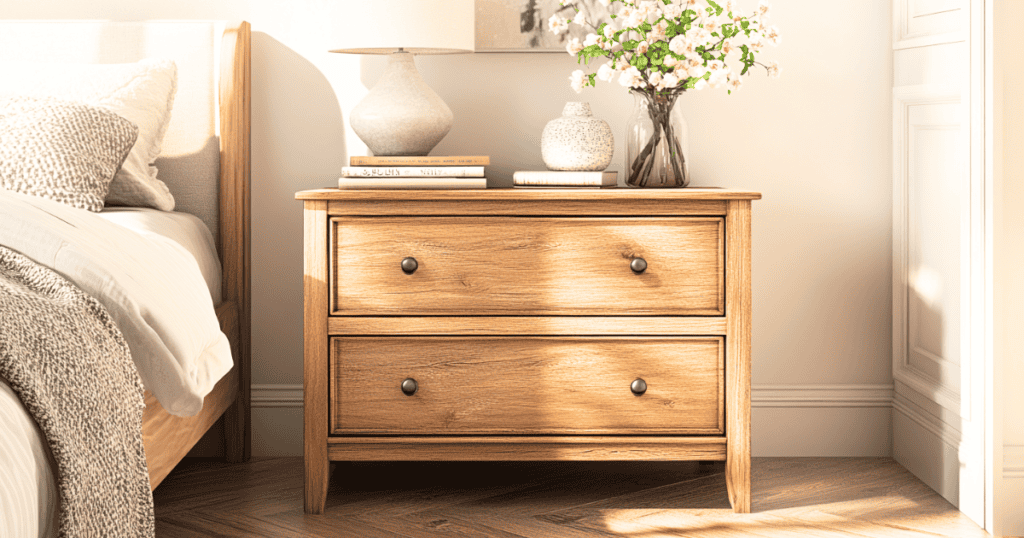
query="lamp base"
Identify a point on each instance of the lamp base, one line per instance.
(401, 115)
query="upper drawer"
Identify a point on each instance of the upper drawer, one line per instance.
(527, 266)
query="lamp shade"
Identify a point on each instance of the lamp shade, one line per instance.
(416, 26)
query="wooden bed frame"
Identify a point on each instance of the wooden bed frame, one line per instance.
(168, 438)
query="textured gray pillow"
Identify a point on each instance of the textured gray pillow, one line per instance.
(62, 150)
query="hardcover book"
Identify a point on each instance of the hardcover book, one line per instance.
(412, 171)
(553, 178)
(412, 182)
(440, 160)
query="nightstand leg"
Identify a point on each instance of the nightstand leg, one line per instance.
(315, 364)
(317, 478)
(737, 363)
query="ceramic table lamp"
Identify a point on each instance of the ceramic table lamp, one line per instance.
(401, 115)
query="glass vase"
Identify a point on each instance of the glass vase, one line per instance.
(656, 145)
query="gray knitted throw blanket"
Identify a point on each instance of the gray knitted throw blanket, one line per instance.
(66, 359)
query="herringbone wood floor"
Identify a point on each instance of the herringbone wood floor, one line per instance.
(792, 497)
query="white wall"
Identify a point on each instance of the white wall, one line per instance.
(1008, 259)
(816, 142)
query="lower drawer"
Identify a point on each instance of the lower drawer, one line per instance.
(527, 385)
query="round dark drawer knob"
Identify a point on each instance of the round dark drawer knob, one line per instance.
(638, 386)
(409, 386)
(638, 265)
(409, 265)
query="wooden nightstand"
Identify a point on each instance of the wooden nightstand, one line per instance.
(515, 324)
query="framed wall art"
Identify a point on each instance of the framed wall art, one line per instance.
(522, 25)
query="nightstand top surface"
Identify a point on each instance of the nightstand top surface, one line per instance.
(525, 194)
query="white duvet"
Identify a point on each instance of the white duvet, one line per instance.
(151, 286)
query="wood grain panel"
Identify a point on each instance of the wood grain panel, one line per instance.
(737, 366)
(527, 385)
(315, 371)
(234, 222)
(581, 448)
(427, 197)
(528, 325)
(618, 208)
(528, 266)
(168, 438)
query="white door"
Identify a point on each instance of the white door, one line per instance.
(938, 238)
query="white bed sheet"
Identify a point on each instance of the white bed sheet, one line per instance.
(28, 487)
(182, 228)
(127, 244)
(151, 286)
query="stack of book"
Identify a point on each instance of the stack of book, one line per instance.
(554, 178)
(443, 172)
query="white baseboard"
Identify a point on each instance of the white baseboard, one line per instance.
(788, 420)
(1012, 491)
(1013, 461)
(269, 395)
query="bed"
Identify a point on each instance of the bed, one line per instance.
(205, 165)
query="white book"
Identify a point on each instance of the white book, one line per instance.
(412, 183)
(553, 178)
(412, 171)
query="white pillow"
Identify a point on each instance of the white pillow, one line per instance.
(141, 92)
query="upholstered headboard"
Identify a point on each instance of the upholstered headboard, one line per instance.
(190, 161)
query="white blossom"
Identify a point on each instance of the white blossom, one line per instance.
(763, 8)
(729, 5)
(576, 80)
(558, 24)
(711, 25)
(773, 70)
(580, 19)
(734, 81)
(678, 44)
(657, 32)
(773, 35)
(700, 84)
(719, 73)
(592, 39)
(671, 61)
(728, 47)
(609, 31)
(606, 72)
(605, 3)
(672, 11)
(631, 77)
(636, 18)
(698, 35)
(642, 47)
(670, 80)
(573, 47)
(695, 68)
(655, 80)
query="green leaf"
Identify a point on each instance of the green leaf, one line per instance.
(630, 45)
(745, 24)
(600, 29)
(613, 16)
(644, 26)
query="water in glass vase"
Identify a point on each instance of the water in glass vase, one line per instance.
(656, 145)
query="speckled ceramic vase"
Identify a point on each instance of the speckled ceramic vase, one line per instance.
(577, 140)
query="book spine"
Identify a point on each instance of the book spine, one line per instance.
(592, 179)
(412, 183)
(412, 171)
(420, 161)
